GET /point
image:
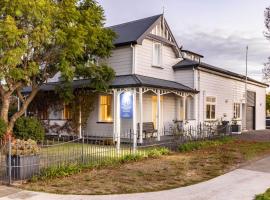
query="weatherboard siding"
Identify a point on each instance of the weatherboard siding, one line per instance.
(185, 77)
(121, 60)
(227, 92)
(144, 54)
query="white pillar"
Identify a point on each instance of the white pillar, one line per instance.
(141, 115)
(178, 108)
(158, 115)
(114, 114)
(118, 122)
(184, 107)
(134, 121)
(195, 108)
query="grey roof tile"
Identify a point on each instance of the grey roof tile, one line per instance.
(130, 32)
(187, 64)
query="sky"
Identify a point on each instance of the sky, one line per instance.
(218, 29)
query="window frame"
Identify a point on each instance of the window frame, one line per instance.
(211, 104)
(65, 111)
(236, 116)
(100, 109)
(160, 60)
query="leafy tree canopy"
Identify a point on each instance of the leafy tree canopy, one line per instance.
(40, 38)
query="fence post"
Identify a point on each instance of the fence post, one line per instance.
(82, 149)
(9, 161)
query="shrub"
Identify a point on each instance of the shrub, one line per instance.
(131, 157)
(3, 128)
(24, 147)
(265, 196)
(58, 171)
(29, 128)
(157, 152)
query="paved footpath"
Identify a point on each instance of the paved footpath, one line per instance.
(240, 184)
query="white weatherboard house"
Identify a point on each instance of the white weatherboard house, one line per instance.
(159, 82)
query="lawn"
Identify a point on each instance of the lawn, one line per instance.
(166, 172)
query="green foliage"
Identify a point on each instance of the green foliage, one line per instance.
(265, 196)
(196, 145)
(29, 128)
(3, 127)
(66, 37)
(157, 152)
(131, 157)
(58, 171)
(268, 102)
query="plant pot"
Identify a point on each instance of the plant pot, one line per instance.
(23, 167)
(221, 129)
(236, 129)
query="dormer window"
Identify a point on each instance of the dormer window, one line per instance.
(157, 54)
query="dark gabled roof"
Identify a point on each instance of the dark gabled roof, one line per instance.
(130, 32)
(135, 80)
(187, 64)
(132, 80)
(192, 52)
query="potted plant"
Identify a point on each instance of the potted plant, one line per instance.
(235, 127)
(25, 159)
(222, 126)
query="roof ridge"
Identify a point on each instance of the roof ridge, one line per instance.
(137, 78)
(129, 22)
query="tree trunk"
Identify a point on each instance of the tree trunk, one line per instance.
(5, 107)
(13, 119)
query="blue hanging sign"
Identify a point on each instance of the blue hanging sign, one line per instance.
(126, 105)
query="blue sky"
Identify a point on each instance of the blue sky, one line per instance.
(218, 29)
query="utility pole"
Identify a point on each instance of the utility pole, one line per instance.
(246, 95)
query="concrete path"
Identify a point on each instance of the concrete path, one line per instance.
(240, 184)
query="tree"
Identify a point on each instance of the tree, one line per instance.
(39, 38)
(268, 102)
(266, 70)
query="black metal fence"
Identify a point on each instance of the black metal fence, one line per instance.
(19, 161)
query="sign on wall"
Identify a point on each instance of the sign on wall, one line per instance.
(126, 105)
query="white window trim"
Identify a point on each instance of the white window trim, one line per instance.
(210, 103)
(161, 55)
(99, 114)
(240, 114)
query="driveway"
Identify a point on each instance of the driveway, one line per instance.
(240, 184)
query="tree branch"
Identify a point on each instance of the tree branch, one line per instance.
(23, 108)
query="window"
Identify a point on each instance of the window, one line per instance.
(67, 111)
(236, 110)
(105, 108)
(157, 54)
(210, 108)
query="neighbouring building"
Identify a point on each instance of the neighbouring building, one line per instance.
(157, 81)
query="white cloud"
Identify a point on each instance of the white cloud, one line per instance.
(227, 50)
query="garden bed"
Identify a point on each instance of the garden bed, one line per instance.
(179, 169)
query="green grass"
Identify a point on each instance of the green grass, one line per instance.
(196, 145)
(265, 196)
